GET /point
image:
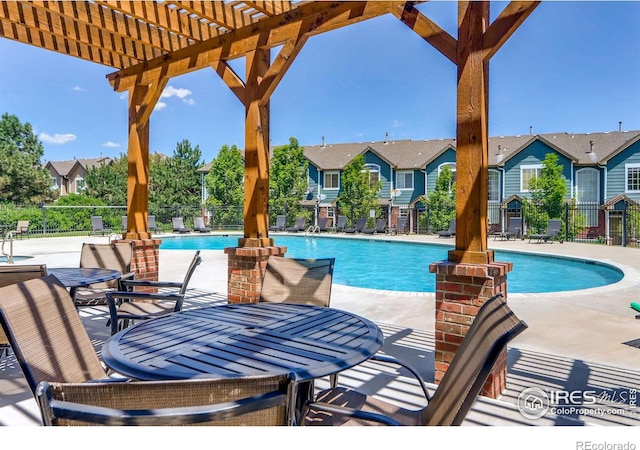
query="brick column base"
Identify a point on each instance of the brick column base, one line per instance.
(245, 271)
(145, 262)
(461, 289)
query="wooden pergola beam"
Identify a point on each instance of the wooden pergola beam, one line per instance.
(320, 17)
(503, 27)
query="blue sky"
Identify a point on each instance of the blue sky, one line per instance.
(571, 67)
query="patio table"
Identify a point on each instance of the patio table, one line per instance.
(75, 277)
(244, 339)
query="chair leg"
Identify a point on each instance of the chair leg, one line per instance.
(333, 380)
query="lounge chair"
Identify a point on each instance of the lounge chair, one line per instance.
(360, 224)
(341, 224)
(124, 224)
(401, 226)
(492, 329)
(127, 306)
(198, 225)
(553, 231)
(298, 226)
(22, 228)
(15, 274)
(153, 228)
(256, 400)
(322, 224)
(379, 227)
(450, 232)
(116, 256)
(178, 226)
(281, 223)
(513, 231)
(299, 281)
(98, 227)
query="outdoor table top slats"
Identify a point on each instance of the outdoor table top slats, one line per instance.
(242, 339)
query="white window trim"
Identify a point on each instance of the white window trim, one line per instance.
(404, 172)
(529, 167)
(75, 184)
(497, 174)
(330, 172)
(626, 177)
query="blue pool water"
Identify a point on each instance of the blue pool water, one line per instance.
(404, 266)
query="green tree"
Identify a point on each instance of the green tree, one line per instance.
(442, 201)
(288, 181)
(358, 195)
(547, 194)
(23, 179)
(108, 182)
(176, 181)
(225, 184)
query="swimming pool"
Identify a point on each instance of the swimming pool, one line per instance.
(404, 266)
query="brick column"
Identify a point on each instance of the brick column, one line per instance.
(145, 262)
(461, 289)
(245, 271)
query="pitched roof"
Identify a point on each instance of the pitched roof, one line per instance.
(64, 167)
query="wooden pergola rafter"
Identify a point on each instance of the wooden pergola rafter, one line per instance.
(148, 43)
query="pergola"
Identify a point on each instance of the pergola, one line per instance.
(149, 42)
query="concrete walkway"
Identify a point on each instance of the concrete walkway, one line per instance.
(575, 340)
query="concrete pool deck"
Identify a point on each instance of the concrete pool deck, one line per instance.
(590, 325)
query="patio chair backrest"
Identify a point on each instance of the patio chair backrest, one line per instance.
(322, 223)
(300, 223)
(198, 223)
(195, 262)
(22, 226)
(380, 225)
(249, 401)
(178, 222)
(15, 274)
(116, 256)
(300, 281)
(401, 224)
(515, 225)
(124, 223)
(46, 333)
(96, 223)
(494, 326)
(554, 227)
(361, 223)
(152, 222)
(342, 222)
(281, 221)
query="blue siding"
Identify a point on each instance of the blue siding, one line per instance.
(407, 195)
(449, 156)
(616, 181)
(385, 173)
(532, 155)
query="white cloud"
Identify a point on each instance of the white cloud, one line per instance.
(170, 91)
(79, 89)
(189, 101)
(57, 138)
(111, 144)
(396, 123)
(159, 106)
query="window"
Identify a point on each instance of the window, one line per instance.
(79, 184)
(528, 173)
(54, 183)
(331, 180)
(374, 173)
(494, 196)
(633, 177)
(587, 194)
(404, 180)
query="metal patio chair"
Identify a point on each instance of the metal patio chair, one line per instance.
(492, 329)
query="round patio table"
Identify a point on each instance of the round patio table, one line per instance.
(75, 277)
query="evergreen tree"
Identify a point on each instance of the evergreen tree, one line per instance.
(108, 182)
(288, 182)
(23, 179)
(225, 184)
(176, 181)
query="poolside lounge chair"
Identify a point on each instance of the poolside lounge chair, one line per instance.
(553, 231)
(360, 224)
(256, 400)
(513, 231)
(153, 228)
(322, 224)
(450, 232)
(298, 226)
(178, 226)
(98, 227)
(127, 306)
(379, 227)
(124, 224)
(401, 226)
(299, 281)
(340, 224)
(15, 274)
(22, 228)
(492, 329)
(281, 223)
(198, 225)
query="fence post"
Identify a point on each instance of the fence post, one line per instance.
(624, 224)
(44, 220)
(566, 221)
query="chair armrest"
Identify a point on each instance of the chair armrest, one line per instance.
(150, 283)
(142, 295)
(409, 367)
(355, 413)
